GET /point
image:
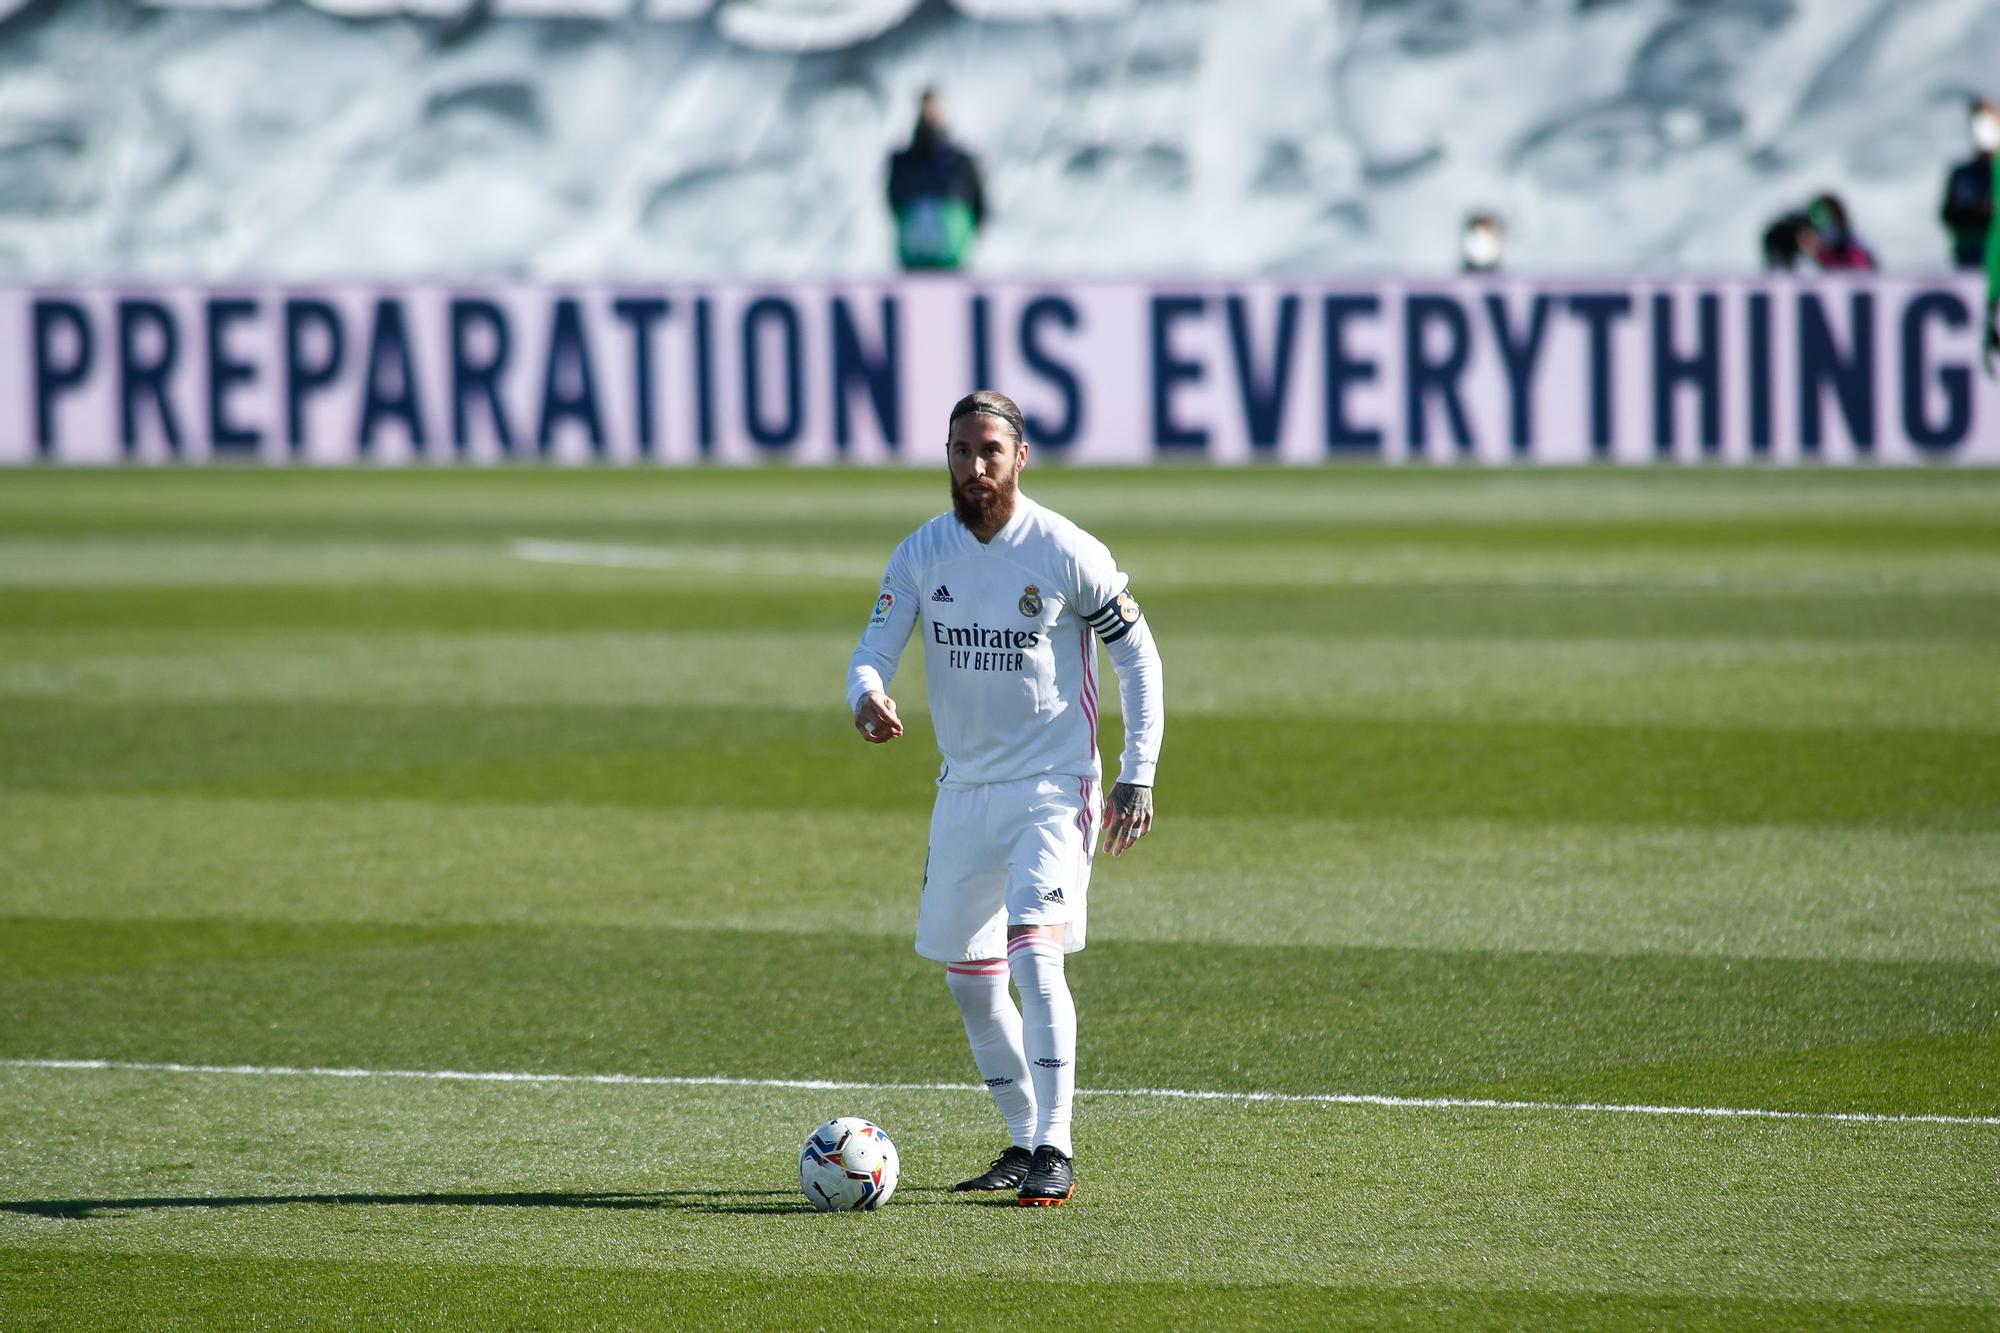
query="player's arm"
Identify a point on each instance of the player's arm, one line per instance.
(876, 657)
(1128, 641)
(1142, 698)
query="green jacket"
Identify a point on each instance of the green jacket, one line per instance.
(1993, 249)
(933, 232)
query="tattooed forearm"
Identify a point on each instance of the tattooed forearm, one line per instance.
(1130, 817)
(1129, 802)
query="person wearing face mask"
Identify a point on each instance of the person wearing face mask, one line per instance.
(1481, 244)
(1967, 212)
(935, 193)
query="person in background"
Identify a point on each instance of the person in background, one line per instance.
(1971, 202)
(1967, 212)
(1482, 243)
(935, 193)
(1785, 242)
(1829, 239)
(1819, 235)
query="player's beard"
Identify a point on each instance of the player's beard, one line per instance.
(987, 511)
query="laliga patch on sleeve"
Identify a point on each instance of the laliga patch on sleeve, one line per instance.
(882, 607)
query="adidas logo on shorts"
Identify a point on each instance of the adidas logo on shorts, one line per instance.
(1053, 896)
(943, 594)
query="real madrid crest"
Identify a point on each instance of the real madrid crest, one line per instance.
(1031, 601)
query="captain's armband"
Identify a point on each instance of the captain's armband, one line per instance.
(1115, 619)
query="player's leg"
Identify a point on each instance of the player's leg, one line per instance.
(1048, 1036)
(993, 1030)
(1048, 877)
(960, 922)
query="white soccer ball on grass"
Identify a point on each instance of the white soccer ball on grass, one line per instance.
(848, 1165)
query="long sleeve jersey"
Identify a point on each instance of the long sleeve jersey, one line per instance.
(1009, 629)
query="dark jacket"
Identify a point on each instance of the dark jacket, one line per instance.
(938, 199)
(1967, 211)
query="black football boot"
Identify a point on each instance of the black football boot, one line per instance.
(1050, 1180)
(1009, 1169)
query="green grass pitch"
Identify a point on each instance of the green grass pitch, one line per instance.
(1563, 788)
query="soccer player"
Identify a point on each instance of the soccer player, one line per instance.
(1007, 597)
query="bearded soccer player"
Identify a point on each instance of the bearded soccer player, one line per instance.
(1010, 600)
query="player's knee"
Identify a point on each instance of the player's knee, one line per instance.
(979, 987)
(975, 974)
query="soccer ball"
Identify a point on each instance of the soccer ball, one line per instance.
(848, 1165)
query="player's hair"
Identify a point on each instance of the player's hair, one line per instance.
(989, 403)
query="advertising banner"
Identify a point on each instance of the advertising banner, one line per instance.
(1778, 370)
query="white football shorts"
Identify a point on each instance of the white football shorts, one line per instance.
(1006, 853)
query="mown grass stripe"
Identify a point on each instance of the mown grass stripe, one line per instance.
(726, 561)
(753, 564)
(1161, 1094)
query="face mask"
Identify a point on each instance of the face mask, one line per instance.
(1986, 131)
(1482, 247)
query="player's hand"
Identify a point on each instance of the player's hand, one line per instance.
(876, 719)
(1128, 818)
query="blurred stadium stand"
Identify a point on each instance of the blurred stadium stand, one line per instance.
(196, 140)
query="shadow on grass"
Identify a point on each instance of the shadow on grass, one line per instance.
(750, 1202)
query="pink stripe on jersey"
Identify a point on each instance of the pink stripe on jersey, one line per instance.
(1090, 686)
(1083, 814)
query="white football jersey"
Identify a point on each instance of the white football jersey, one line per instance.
(1008, 651)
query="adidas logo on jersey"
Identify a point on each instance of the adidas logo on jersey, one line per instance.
(943, 594)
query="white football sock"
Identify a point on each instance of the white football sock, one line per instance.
(1048, 1033)
(993, 1027)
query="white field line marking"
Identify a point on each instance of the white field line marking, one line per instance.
(1161, 1094)
(692, 559)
